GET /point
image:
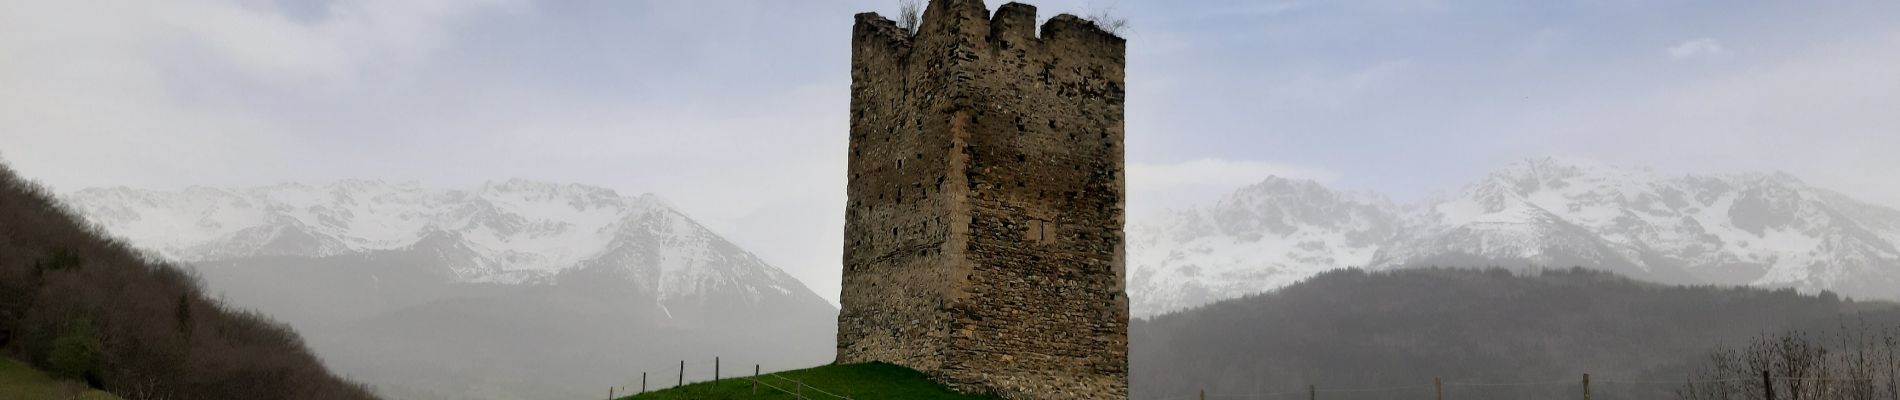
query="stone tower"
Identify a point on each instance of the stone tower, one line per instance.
(983, 231)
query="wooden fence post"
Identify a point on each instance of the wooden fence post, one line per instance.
(1586, 386)
(1767, 386)
(1439, 386)
(755, 380)
(1203, 394)
(1312, 392)
(715, 368)
(610, 393)
(643, 382)
(682, 381)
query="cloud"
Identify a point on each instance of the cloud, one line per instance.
(1337, 89)
(1697, 48)
(1155, 187)
(1213, 172)
(175, 92)
(1823, 113)
(343, 39)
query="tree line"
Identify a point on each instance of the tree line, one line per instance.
(1358, 329)
(1855, 361)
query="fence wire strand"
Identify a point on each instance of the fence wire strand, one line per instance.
(1380, 389)
(1255, 395)
(1674, 382)
(1317, 389)
(1790, 378)
(1512, 384)
(1496, 384)
(810, 386)
(756, 380)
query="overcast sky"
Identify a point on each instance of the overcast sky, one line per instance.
(735, 111)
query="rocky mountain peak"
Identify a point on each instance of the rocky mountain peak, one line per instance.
(1768, 229)
(513, 231)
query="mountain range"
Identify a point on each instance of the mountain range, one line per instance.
(519, 289)
(1770, 230)
(512, 289)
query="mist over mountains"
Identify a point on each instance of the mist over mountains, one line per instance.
(515, 289)
(1769, 230)
(522, 289)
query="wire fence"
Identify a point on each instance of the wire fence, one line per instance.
(797, 388)
(802, 385)
(1762, 387)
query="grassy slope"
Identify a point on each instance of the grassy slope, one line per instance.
(19, 381)
(856, 381)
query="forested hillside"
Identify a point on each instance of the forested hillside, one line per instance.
(1351, 329)
(84, 307)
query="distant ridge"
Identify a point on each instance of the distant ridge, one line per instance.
(511, 231)
(1353, 329)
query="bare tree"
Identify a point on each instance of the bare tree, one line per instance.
(1859, 370)
(1888, 344)
(1106, 19)
(1802, 366)
(909, 14)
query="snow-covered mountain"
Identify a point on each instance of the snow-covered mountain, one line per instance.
(511, 290)
(1261, 237)
(506, 232)
(1757, 229)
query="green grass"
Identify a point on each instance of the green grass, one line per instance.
(857, 381)
(21, 382)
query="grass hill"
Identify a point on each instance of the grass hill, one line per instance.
(84, 307)
(855, 381)
(19, 381)
(1354, 329)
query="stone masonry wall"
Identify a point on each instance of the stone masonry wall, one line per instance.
(898, 217)
(983, 232)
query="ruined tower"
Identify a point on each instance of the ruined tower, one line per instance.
(983, 230)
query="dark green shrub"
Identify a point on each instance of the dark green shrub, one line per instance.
(182, 314)
(60, 259)
(75, 353)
